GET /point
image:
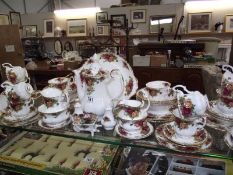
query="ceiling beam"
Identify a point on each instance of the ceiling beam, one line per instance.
(46, 4)
(6, 4)
(24, 7)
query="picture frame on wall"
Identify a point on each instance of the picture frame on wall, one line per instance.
(229, 23)
(30, 31)
(102, 30)
(138, 16)
(77, 27)
(199, 22)
(15, 18)
(120, 21)
(4, 19)
(49, 28)
(100, 16)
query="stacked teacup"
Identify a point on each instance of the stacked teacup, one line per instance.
(187, 131)
(18, 93)
(162, 97)
(221, 110)
(54, 108)
(132, 123)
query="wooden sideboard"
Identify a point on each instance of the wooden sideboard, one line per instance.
(190, 77)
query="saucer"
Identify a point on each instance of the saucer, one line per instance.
(158, 99)
(58, 119)
(213, 122)
(13, 119)
(163, 141)
(122, 132)
(228, 139)
(214, 110)
(57, 126)
(198, 139)
(160, 118)
(43, 108)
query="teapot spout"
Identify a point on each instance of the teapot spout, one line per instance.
(80, 85)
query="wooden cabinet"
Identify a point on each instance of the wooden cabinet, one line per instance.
(190, 77)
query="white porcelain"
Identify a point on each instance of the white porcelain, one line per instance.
(108, 121)
(219, 110)
(23, 90)
(53, 97)
(78, 108)
(228, 138)
(14, 118)
(91, 128)
(134, 135)
(160, 91)
(7, 86)
(228, 74)
(22, 109)
(56, 118)
(185, 128)
(3, 103)
(224, 109)
(52, 127)
(59, 82)
(15, 74)
(71, 56)
(94, 81)
(190, 103)
(45, 110)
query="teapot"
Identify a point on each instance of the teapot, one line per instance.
(92, 83)
(190, 103)
(15, 74)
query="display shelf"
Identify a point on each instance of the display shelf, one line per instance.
(218, 149)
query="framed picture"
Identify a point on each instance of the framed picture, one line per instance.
(101, 16)
(77, 27)
(49, 27)
(120, 21)
(199, 22)
(58, 47)
(15, 18)
(138, 16)
(30, 31)
(229, 23)
(4, 19)
(102, 30)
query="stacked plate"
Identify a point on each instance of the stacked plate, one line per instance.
(162, 98)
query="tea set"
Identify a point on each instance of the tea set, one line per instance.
(17, 103)
(162, 97)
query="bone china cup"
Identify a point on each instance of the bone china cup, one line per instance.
(53, 96)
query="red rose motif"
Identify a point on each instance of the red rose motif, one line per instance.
(186, 111)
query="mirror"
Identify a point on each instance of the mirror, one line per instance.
(58, 47)
(158, 22)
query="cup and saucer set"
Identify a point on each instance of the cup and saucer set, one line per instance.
(220, 112)
(162, 97)
(186, 133)
(17, 102)
(132, 122)
(54, 109)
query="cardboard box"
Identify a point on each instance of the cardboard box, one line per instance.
(158, 60)
(141, 60)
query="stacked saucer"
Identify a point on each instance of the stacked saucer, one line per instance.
(221, 110)
(186, 133)
(132, 124)
(54, 109)
(162, 97)
(16, 101)
(228, 138)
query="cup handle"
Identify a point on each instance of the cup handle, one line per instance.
(5, 65)
(175, 88)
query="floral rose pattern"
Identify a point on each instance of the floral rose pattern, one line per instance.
(11, 77)
(129, 86)
(187, 107)
(109, 57)
(228, 102)
(15, 102)
(49, 102)
(181, 124)
(153, 92)
(228, 90)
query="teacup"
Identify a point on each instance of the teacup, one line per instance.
(53, 97)
(15, 74)
(56, 118)
(190, 103)
(22, 107)
(186, 128)
(159, 89)
(131, 109)
(23, 90)
(133, 127)
(227, 90)
(59, 82)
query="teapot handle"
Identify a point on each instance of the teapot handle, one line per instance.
(5, 65)
(175, 88)
(121, 83)
(6, 84)
(227, 67)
